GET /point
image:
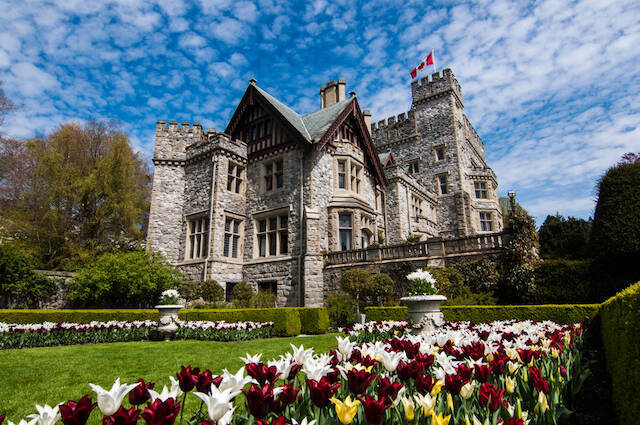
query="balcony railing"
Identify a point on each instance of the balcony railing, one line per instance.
(435, 247)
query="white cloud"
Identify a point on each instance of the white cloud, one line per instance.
(31, 80)
(191, 40)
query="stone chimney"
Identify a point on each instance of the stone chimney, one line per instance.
(332, 92)
(366, 114)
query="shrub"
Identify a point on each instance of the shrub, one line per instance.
(342, 309)
(190, 290)
(517, 285)
(211, 291)
(375, 314)
(566, 238)
(314, 320)
(413, 238)
(19, 284)
(242, 293)
(479, 276)
(382, 289)
(563, 281)
(131, 279)
(263, 299)
(358, 283)
(449, 282)
(471, 298)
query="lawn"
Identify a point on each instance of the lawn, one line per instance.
(56, 374)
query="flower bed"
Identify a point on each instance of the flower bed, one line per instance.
(511, 373)
(377, 331)
(48, 333)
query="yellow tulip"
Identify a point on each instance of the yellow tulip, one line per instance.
(490, 357)
(437, 387)
(513, 354)
(409, 408)
(426, 403)
(439, 420)
(542, 405)
(510, 384)
(512, 366)
(346, 410)
(467, 390)
(555, 353)
(450, 402)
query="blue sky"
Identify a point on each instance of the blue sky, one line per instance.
(551, 86)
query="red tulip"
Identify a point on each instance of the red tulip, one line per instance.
(140, 394)
(188, 378)
(489, 396)
(320, 392)
(122, 417)
(359, 380)
(368, 361)
(259, 400)
(497, 366)
(387, 389)
(454, 383)
(205, 379)
(515, 421)
(261, 373)
(424, 384)
(536, 377)
(482, 372)
(409, 370)
(465, 372)
(2, 417)
(278, 421)
(161, 412)
(425, 360)
(563, 371)
(374, 409)
(475, 350)
(526, 355)
(75, 413)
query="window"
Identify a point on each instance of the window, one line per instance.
(414, 167)
(231, 237)
(234, 178)
(379, 201)
(274, 174)
(480, 189)
(416, 207)
(356, 178)
(486, 224)
(365, 238)
(270, 286)
(342, 174)
(345, 229)
(273, 236)
(198, 232)
(228, 293)
(439, 151)
(442, 184)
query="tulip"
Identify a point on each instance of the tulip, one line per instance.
(359, 381)
(234, 382)
(373, 409)
(454, 383)
(321, 391)
(261, 373)
(251, 359)
(490, 397)
(110, 401)
(424, 383)
(161, 412)
(409, 408)
(304, 422)
(439, 420)
(390, 360)
(76, 413)
(481, 373)
(515, 421)
(510, 385)
(281, 420)
(467, 390)
(140, 393)
(540, 383)
(22, 422)
(542, 404)
(436, 388)
(188, 378)
(563, 371)
(346, 410)
(288, 394)
(166, 394)
(46, 415)
(2, 418)
(512, 367)
(345, 348)
(259, 400)
(122, 417)
(426, 402)
(388, 389)
(218, 402)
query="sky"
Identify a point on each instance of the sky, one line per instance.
(552, 87)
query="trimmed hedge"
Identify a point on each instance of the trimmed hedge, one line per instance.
(620, 324)
(559, 313)
(286, 320)
(76, 316)
(314, 320)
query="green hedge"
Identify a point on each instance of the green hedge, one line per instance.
(314, 320)
(286, 320)
(560, 313)
(620, 330)
(75, 316)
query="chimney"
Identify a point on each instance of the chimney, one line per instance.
(366, 114)
(332, 92)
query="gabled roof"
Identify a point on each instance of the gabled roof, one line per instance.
(287, 113)
(318, 122)
(386, 159)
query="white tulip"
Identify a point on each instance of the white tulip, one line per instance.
(251, 359)
(166, 394)
(304, 422)
(233, 382)
(109, 401)
(390, 360)
(345, 348)
(23, 422)
(300, 355)
(46, 415)
(218, 402)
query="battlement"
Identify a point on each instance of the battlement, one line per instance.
(437, 84)
(171, 141)
(393, 120)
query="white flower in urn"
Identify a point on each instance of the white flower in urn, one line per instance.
(421, 282)
(170, 297)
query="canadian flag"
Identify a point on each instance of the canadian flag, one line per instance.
(427, 61)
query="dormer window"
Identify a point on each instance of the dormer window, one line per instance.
(348, 175)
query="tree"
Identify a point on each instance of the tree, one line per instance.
(20, 286)
(76, 193)
(562, 238)
(6, 105)
(615, 234)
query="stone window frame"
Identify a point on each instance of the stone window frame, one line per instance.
(197, 237)
(280, 233)
(233, 236)
(367, 222)
(269, 176)
(379, 200)
(417, 206)
(440, 184)
(486, 221)
(440, 148)
(481, 190)
(414, 166)
(235, 181)
(350, 229)
(350, 180)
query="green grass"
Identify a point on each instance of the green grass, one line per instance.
(53, 375)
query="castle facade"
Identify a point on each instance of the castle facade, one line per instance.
(265, 200)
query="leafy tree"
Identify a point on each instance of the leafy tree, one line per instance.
(342, 309)
(211, 291)
(76, 193)
(358, 283)
(19, 284)
(564, 238)
(242, 294)
(123, 280)
(381, 289)
(6, 105)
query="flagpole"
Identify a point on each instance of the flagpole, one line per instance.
(433, 55)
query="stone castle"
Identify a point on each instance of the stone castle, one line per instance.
(266, 200)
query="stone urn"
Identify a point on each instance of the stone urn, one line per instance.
(424, 313)
(168, 319)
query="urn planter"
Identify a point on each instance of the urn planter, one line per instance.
(424, 313)
(168, 319)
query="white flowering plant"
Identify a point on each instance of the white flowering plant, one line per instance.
(169, 297)
(421, 282)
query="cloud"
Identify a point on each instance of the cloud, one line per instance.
(31, 80)
(191, 40)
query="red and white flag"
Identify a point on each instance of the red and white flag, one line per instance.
(419, 68)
